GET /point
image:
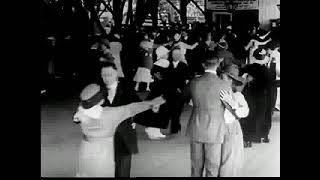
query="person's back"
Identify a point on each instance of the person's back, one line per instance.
(207, 120)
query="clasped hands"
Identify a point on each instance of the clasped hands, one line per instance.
(156, 103)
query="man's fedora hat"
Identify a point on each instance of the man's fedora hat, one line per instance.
(232, 71)
(223, 45)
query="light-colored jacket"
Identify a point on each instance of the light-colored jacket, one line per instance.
(207, 123)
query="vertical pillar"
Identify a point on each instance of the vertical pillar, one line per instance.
(117, 14)
(139, 17)
(129, 13)
(183, 11)
(154, 13)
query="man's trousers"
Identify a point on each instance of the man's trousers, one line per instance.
(219, 160)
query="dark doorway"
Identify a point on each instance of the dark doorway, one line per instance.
(243, 19)
(222, 19)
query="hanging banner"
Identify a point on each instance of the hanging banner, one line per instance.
(219, 5)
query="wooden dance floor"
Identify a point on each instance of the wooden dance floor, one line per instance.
(60, 139)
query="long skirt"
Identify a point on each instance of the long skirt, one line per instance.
(96, 158)
(232, 151)
(117, 62)
(158, 119)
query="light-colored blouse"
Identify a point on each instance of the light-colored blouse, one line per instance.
(241, 108)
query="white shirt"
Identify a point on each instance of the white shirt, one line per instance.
(162, 63)
(112, 91)
(241, 108)
(276, 55)
(175, 63)
(211, 71)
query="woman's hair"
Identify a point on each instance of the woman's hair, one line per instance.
(174, 32)
(107, 64)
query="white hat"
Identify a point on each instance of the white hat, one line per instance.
(160, 51)
(162, 63)
(145, 44)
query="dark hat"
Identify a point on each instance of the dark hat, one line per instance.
(107, 58)
(253, 70)
(259, 53)
(223, 45)
(211, 58)
(272, 45)
(91, 95)
(105, 24)
(232, 71)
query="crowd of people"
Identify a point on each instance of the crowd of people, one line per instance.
(230, 80)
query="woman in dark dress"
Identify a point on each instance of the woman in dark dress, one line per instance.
(258, 122)
(158, 117)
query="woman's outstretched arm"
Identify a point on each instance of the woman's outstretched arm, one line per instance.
(130, 110)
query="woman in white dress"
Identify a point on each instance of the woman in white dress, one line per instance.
(98, 124)
(252, 46)
(115, 48)
(183, 46)
(143, 73)
(236, 108)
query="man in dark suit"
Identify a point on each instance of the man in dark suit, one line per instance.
(125, 139)
(206, 125)
(224, 52)
(178, 75)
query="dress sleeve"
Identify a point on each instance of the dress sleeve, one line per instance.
(248, 45)
(136, 108)
(118, 114)
(242, 109)
(258, 43)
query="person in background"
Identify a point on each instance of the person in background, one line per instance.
(254, 43)
(178, 43)
(115, 50)
(236, 108)
(258, 98)
(147, 46)
(143, 73)
(158, 117)
(234, 44)
(227, 56)
(274, 66)
(260, 57)
(199, 53)
(178, 76)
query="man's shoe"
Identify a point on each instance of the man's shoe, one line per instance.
(257, 140)
(175, 131)
(159, 134)
(152, 134)
(247, 144)
(266, 140)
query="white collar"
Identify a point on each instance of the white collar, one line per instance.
(211, 71)
(93, 112)
(175, 63)
(113, 86)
